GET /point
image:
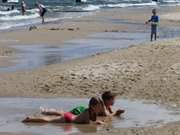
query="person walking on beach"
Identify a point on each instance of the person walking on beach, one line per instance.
(23, 7)
(154, 23)
(42, 10)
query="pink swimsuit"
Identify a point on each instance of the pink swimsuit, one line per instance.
(69, 117)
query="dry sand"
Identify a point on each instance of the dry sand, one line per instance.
(145, 71)
(148, 71)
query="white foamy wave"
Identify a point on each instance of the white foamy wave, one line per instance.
(83, 0)
(130, 5)
(9, 12)
(171, 1)
(91, 8)
(19, 17)
(10, 25)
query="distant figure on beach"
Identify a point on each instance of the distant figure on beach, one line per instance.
(154, 23)
(107, 101)
(8, 9)
(81, 1)
(78, 1)
(87, 116)
(4, 1)
(23, 7)
(42, 10)
(12, 7)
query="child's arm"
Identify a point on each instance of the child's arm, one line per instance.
(115, 113)
(148, 21)
(119, 112)
(98, 122)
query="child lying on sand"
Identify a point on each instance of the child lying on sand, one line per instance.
(89, 115)
(107, 101)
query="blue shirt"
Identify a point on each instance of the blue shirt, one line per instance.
(154, 19)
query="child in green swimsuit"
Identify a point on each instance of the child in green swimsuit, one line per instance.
(88, 115)
(107, 101)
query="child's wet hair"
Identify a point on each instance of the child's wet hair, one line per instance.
(108, 95)
(94, 101)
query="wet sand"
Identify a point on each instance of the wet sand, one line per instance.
(148, 71)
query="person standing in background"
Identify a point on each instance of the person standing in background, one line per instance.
(154, 23)
(23, 7)
(42, 11)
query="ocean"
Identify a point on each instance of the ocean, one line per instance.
(65, 9)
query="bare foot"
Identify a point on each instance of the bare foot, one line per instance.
(27, 119)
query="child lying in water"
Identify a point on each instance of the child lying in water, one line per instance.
(107, 101)
(89, 115)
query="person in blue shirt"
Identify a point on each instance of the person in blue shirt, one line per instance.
(154, 23)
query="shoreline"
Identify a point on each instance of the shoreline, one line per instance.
(99, 21)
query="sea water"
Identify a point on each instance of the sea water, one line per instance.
(65, 9)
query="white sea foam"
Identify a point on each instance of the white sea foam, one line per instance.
(92, 8)
(130, 5)
(19, 17)
(9, 12)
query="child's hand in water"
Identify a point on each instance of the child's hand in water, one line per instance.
(119, 112)
(99, 122)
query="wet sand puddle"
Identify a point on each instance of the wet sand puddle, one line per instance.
(34, 56)
(138, 114)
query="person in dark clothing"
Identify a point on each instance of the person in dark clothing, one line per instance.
(23, 7)
(42, 10)
(154, 20)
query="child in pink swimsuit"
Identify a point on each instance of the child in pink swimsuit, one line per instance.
(89, 115)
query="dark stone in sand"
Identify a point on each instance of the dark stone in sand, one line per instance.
(70, 29)
(33, 27)
(54, 29)
(111, 31)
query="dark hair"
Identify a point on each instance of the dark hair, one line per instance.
(108, 95)
(154, 10)
(93, 101)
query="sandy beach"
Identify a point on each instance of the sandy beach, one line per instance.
(148, 71)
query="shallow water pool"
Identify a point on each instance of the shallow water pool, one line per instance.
(35, 56)
(138, 114)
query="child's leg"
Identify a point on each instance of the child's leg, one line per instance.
(42, 19)
(43, 119)
(155, 36)
(151, 36)
(47, 111)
